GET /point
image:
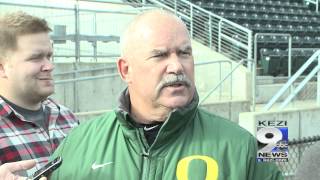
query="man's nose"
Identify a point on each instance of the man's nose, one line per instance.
(174, 64)
(48, 65)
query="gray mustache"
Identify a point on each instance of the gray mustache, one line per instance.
(173, 79)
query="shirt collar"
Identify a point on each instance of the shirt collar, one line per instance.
(6, 110)
(176, 120)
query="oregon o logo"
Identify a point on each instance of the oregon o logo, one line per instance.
(212, 167)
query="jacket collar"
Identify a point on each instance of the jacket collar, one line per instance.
(176, 121)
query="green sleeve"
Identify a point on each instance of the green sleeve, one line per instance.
(57, 152)
(262, 170)
(267, 171)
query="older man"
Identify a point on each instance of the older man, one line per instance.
(31, 124)
(158, 131)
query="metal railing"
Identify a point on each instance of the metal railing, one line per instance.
(220, 62)
(234, 41)
(77, 78)
(76, 73)
(220, 34)
(219, 85)
(85, 21)
(254, 64)
(315, 2)
(85, 25)
(203, 25)
(316, 69)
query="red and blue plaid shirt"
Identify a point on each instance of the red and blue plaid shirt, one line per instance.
(22, 140)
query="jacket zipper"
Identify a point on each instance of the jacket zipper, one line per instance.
(145, 165)
(145, 157)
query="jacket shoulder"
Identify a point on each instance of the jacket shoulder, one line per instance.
(223, 125)
(91, 127)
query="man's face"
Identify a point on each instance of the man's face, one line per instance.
(28, 68)
(161, 69)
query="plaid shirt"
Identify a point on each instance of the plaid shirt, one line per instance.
(22, 140)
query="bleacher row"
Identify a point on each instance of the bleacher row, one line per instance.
(274, 16)
(275, 61)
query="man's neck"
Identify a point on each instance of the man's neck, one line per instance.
(145, 115)
(22, 103)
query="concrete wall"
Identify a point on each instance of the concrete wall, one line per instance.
(101, 19)
(101, 94)
(209, 75)
(87, 116)
(302, 122)
(228, 109)
(266, 91)
(89, 95)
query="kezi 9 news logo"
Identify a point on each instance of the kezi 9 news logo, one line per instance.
(272, 137)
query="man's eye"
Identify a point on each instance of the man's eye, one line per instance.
(34, 58)
(185, 53)
(159, 55)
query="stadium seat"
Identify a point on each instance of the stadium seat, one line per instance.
(271, 61)
(272, 16)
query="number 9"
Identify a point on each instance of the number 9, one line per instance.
(269, 136)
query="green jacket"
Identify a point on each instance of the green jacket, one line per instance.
(192, 144)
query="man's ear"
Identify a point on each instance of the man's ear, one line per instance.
(2, 69)
(123, 69)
